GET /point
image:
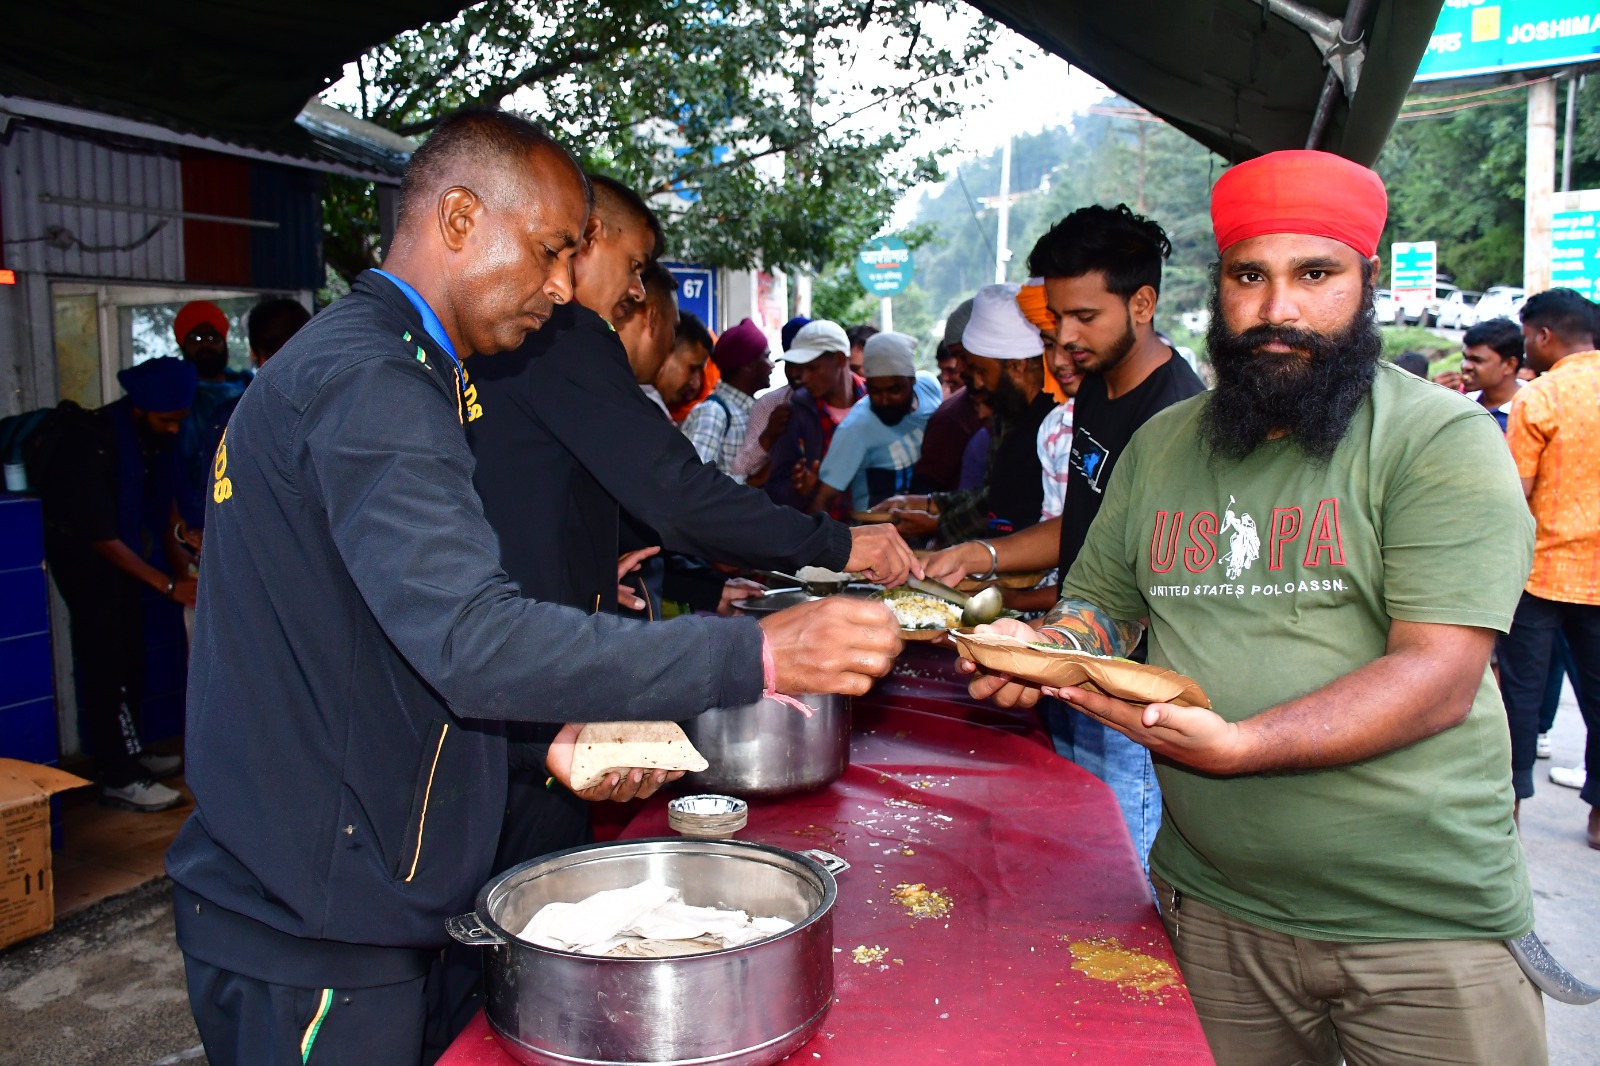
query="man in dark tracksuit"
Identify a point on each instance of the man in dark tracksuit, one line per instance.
(109, 487)
(359, 647)
(564, 419)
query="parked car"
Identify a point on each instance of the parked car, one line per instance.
(1458, 310)
(1384, 307)
(1499, 301)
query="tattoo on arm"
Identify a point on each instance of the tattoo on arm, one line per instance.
(1082, 625)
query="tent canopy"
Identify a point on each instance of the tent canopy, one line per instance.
(1235, 76)
(241, 69)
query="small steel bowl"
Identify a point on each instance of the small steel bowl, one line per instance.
(707, 815)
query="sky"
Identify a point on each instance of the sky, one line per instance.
(1047, 91)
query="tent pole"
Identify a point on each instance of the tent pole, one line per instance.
(1355, 15)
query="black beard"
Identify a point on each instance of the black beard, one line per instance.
(892, 416)
(209, 362)
(1312, 397)
(1007, 401)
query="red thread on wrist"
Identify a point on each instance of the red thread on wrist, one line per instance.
(769, 679)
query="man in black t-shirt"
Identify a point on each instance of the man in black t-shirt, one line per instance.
(1102, 275)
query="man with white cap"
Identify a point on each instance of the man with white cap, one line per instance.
(1337, 865)
(1004, 352)
(828, 389)
(877, 445)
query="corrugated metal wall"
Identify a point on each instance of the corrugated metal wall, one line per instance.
(36, 162)
(289, 257)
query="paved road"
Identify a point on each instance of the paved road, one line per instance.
(106, 987)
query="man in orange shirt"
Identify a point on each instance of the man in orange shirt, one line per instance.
(1554, 435)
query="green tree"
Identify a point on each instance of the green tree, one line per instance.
(746, 121)
(1455, 168)
(1114, 154)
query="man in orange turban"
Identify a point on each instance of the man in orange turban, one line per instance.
(1337, 864)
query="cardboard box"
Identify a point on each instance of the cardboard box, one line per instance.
(27, 899)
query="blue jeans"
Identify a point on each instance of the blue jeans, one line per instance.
(1117, 761)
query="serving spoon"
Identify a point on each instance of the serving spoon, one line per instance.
(976, 610)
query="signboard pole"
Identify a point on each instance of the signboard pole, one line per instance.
(886, 314)
(1541, 187)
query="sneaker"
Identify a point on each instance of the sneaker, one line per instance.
(146, 796)
(1541, 749)
(159, 766)
(1568, 776)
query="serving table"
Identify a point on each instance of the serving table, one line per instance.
(994, 911)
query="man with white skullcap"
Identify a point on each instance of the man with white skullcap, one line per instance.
(1004, 353)
(876, 447)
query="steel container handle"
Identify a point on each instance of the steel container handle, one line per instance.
(467, 929)
(827, 860)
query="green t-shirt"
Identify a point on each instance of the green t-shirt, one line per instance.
(1267, 579)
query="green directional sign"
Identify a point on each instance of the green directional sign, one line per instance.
(1474, 37)
(884, 266)
(1575, 250)
(1414, 266)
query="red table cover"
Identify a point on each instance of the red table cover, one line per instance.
(1032, 856)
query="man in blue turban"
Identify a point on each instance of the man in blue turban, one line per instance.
(110, 491)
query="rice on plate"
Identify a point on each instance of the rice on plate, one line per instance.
(919, 611)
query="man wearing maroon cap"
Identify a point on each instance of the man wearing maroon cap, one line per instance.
(1337, 865)
(717, 426)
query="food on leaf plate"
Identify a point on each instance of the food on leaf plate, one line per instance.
(1059, 667)
(918, 612)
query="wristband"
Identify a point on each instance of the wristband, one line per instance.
(769, 679)
(171, 584)
(994, 563)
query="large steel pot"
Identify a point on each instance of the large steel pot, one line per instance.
(766, 749)
(746, 1006)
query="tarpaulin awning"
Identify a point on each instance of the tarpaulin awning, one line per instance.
(1238, 78)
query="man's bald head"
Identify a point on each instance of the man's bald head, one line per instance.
(482, 150)
(492, 215)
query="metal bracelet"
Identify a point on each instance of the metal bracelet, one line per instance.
(994, 563)
(172, 583)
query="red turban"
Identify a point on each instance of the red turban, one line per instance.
(1316, 193)
(197, 312)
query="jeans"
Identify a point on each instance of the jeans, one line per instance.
(1117, 761)
(1525, 654)
(1561, 668)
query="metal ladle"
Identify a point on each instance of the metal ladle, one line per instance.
(976, 610)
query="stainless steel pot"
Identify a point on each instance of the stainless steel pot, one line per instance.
(746, 1006)
(766, 749)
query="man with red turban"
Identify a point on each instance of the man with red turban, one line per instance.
(1337, 864)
